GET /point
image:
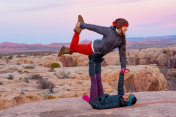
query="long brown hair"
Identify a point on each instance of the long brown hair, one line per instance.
(123, 41)
(118, 23)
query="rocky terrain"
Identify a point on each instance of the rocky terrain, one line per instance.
(28, 78)
(149, 104)
(164, 58)
(24, 86)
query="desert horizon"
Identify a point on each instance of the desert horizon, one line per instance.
(132, 43)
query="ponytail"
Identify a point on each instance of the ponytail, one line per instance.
(118, 24)
(123, 41)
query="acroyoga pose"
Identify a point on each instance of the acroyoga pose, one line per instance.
(113, 37)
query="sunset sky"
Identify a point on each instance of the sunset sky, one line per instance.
(49, 21)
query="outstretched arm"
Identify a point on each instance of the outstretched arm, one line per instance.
(120, 84)
(122, 57)
(99, 29)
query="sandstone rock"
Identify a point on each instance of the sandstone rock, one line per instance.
(163, 57)
(112, 58)
(75, 81)
(149, 104)
(18, 100)
(24, 60)
(171, 73)
(47, 61)
(141, 78)
(67, 60)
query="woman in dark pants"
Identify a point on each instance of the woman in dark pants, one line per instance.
(98, 99)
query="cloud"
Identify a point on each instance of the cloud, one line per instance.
(17, 6)
(106, 2)
(10, 6)
(38, 8)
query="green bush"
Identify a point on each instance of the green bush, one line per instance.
(10, 57)
(55, 65)
(1, 83)
(74, 64)
(29, 67)
(18, 56)
(0, 57)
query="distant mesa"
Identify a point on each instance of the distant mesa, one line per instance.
(132, 43)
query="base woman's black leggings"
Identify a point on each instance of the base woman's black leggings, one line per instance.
(96, 87)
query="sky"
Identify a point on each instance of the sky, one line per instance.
(53, 21)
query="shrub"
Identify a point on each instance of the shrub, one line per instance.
(74, 64)
(26, 80)
(1, 83)
(0, 57)
(45, 84)
(29, 67)
(10, 57)
(7, 61)
(35, 76)
(79, 82)
(18, 63)
(11, 77)
(18, 56)
(55, 65)
(22, 93)
(62, 74)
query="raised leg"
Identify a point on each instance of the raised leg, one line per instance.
(80, 48)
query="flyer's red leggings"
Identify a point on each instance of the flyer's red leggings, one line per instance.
(80, 48)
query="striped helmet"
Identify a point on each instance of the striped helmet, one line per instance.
(120, 22)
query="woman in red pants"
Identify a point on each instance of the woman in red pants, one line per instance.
(113, 37)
